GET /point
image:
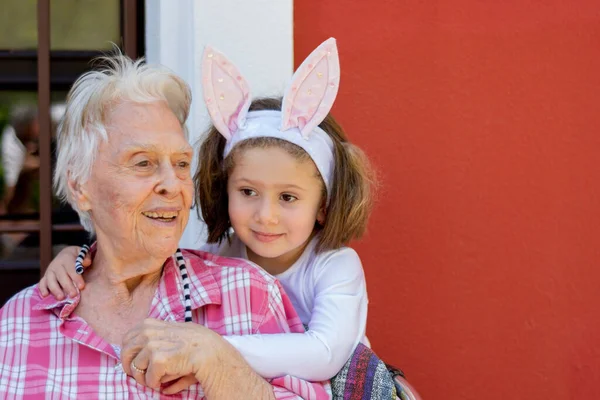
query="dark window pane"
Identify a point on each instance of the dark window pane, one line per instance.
(19, 180)
(74, 24)
(84, 24)
(19, 183)
(19, 153)
(18, 24)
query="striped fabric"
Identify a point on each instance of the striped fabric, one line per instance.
(80, 257)
(46, 351)
(363, 377)
(186, 285)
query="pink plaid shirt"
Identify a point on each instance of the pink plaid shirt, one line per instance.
(47, 351)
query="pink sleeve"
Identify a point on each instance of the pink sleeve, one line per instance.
(280, 317)
(279, 313)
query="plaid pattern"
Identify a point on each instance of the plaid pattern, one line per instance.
(46, 352)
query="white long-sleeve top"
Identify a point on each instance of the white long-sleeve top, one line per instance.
(328, 290)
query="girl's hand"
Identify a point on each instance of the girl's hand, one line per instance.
(60, 278)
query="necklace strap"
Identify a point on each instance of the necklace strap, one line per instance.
(182, 270)
(79, 261)
(186, 285)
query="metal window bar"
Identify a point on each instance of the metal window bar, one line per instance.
(129, 28)
(43, 65)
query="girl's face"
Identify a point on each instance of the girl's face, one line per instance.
(274, 201)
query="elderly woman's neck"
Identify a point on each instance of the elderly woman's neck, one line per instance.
(118, 293)
(124, 274)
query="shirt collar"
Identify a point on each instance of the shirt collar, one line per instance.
(204, 288)
(62, 308)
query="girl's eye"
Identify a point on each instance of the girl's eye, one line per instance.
(288, 198)
(248, 192)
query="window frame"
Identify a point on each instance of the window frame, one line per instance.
(30, 70)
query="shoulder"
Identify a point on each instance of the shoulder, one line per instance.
(21, 304)
(343, 253)
(333, 261)
(23, 311)
(338, 270)
(228, 270)
(244, 288)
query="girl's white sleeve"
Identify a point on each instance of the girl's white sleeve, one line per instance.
(337, 325)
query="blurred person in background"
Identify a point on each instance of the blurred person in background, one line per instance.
(20, 158)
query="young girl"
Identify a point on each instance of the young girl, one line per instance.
(280, 185)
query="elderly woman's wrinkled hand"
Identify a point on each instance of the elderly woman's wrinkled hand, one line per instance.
(158, 352)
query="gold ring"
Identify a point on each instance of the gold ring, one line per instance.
(135, 368)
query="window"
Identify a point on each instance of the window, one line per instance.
(44, 46)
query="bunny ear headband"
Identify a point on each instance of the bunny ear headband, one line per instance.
(306, 102)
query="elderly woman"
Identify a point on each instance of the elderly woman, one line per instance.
(124, 165)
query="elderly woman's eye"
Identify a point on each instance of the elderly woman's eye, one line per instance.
(183, 164)
(143, 164)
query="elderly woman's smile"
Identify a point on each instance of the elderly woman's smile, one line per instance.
(162, 215)
(141, 188)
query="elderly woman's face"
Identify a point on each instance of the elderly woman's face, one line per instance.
(140, 191)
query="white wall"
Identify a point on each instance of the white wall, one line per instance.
(257, 35)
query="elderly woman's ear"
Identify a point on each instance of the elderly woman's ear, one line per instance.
(80, 195)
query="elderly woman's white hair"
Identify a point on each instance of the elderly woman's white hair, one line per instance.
(88, 105)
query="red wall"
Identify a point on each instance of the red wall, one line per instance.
(483, 120)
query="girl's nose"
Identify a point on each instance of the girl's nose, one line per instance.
(268, 213)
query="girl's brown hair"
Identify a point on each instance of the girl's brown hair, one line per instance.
(351, 196)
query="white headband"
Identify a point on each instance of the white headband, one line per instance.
(306, 102)
(267, 123)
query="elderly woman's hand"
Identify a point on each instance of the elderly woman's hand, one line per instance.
(158, 352)
(163, 351)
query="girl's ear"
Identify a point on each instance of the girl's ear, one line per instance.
(80, 194)
(322, 214)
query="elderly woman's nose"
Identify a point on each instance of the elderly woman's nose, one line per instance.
(169, 182)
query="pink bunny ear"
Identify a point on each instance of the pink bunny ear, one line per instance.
(226, 92)
(313, 89)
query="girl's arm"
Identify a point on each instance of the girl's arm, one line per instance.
(337, 325)
(60, 278)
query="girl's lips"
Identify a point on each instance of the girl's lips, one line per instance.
(266, 237)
